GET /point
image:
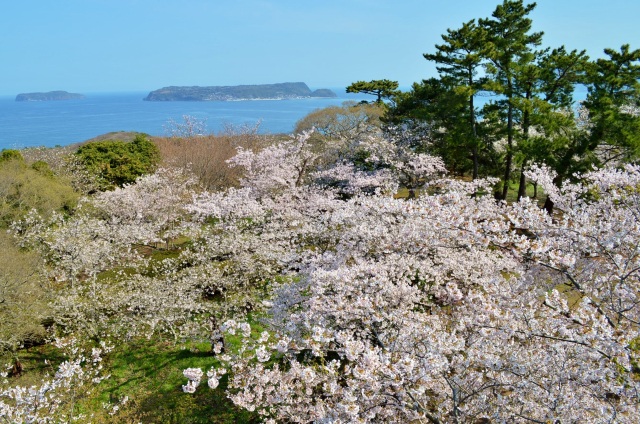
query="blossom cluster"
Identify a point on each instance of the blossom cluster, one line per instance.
(450, 306)
(52, 400)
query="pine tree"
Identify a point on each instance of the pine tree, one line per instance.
(509, 49)
(612, 102)
(458, 60)
(382, 89)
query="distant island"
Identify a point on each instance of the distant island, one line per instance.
(51, 95)
(281, 91)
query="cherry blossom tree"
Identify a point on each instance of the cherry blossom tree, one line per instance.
(54, 400)
(107, 227)
(452, 308)
(154, 203)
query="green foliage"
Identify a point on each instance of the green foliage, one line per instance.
(510, 53)
(382, 89)
(24, 291)
(23, 189)
(613, 85)
(149, 373)
(117, 163)
(42, 168)
(460, 56)
(441, 108)
(527, 122)
(24, 297)
(458, 61)
(361, 161)
(10, 154)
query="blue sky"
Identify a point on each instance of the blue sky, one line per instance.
(139, 45)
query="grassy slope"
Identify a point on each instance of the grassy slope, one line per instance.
(149, 373)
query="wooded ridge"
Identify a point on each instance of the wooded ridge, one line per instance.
(280, 91)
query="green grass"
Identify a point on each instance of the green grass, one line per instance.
(512, 194)
(37, 363)
(149, 373)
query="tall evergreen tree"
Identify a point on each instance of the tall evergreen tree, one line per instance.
(612, 102)
(458, 60)
(612, 133)
(509, 49)
(534, 112)
(546, 86)
(435, 110)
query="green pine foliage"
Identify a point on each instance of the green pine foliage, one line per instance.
(382, 89)
(532, 116)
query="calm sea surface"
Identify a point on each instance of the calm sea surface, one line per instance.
(30, 124)
(51, 123)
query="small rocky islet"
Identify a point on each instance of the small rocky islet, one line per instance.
(48, 96)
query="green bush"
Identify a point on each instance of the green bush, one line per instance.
(10, 154)
(24, 298)
(117, 163)
(42, 168)
(23, 189)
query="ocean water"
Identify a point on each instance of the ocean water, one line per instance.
(31, 124)
(51, 123)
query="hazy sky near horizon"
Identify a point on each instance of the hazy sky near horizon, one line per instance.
(139, 45)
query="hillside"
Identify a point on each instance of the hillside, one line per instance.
(280, 91)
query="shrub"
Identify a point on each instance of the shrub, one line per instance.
(42, 168)
(206, 155)
(24, 297)
(10, 154)
(117, 163)
(23, 189)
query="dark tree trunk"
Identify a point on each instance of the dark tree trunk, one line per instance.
(526, 124)
(548, 205)
(509, 156)
(475, 162)
(472, 123)
(16, 370)
(522, 188)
